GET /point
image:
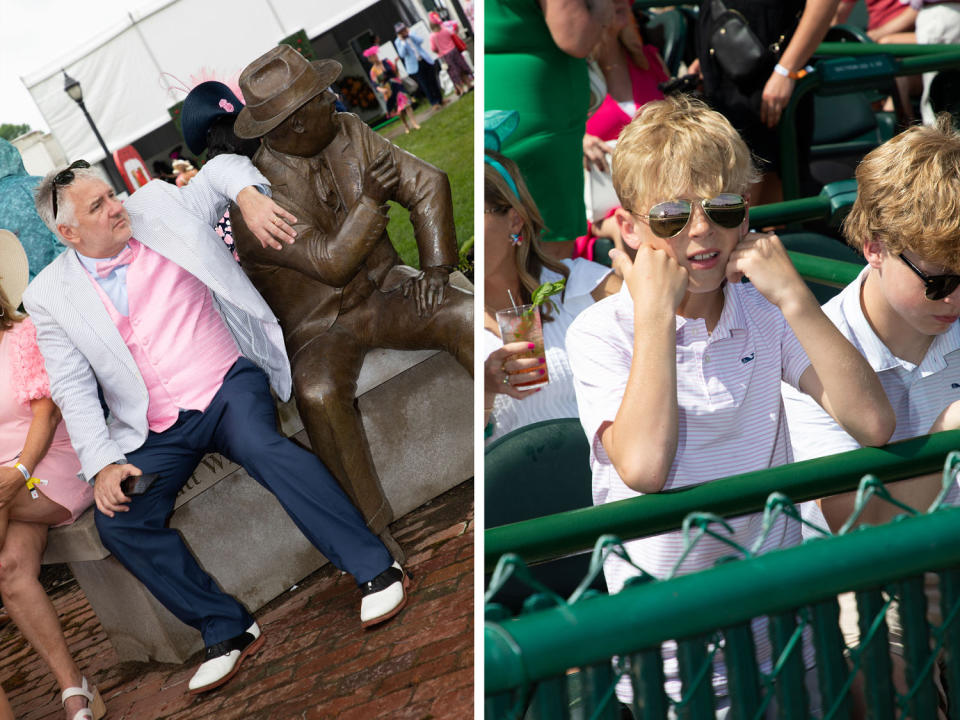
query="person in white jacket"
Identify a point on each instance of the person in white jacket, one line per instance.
(149, 311)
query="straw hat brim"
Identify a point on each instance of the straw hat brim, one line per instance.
(247, 127)
(14, 269)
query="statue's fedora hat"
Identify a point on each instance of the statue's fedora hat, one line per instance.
(278, 83)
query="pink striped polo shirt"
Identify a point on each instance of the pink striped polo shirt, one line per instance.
(730, 422)
(180, 343)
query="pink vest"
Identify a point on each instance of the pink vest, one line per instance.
(180, 343)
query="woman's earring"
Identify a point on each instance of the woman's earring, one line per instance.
(515, 239)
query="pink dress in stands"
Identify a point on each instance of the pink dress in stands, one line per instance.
(609, 119)
(22, 371)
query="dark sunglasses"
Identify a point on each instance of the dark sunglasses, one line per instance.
(938, 286)
(65, 177)
(668, 219)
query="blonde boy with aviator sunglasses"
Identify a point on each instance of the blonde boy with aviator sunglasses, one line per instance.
(678, 375)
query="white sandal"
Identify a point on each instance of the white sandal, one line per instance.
(95, 708)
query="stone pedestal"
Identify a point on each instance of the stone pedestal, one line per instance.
(417, 413)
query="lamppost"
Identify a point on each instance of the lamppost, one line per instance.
(72, 88)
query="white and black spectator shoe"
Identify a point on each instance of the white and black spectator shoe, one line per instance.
(384, 596)
(222, 661)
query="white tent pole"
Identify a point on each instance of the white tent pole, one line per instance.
(146, 45)
(276, 16)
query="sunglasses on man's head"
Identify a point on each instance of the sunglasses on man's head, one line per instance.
(65, 177)
(937, 286)
(668, 219)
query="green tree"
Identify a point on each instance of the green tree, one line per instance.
(9, 132)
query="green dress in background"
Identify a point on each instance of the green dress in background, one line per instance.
(525, 71)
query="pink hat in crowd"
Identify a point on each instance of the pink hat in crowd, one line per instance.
(371, 51)
(434, 17)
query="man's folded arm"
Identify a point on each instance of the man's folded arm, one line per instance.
(424, 190)
(331, 258)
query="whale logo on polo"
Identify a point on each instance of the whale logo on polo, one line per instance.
(955, 386)
(748, 358)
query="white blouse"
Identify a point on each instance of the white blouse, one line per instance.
(557, 398)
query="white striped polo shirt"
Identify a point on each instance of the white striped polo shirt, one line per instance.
(918, 393)
(730, 422)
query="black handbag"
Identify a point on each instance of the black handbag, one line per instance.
(737, 50)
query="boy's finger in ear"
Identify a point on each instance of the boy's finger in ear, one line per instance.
(620, 262)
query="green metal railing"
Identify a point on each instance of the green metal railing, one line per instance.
(530, 659)
(850, 67)
(576, 531)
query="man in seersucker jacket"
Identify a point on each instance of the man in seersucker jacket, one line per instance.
(148, 304)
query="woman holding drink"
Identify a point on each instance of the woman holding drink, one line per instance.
(527, 380)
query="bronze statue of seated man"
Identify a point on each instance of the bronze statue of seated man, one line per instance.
(341, 289)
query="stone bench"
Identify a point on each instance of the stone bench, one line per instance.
(417, 413)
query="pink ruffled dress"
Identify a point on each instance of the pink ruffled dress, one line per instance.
(23, 374)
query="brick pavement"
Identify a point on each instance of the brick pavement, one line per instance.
(316, 662)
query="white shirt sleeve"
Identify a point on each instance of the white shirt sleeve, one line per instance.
(813, 433)
(600, 366)
(795, 360)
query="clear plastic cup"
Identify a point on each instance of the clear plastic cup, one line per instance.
(522, 324)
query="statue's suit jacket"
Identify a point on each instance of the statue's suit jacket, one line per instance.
(342, 253)
(82, 347)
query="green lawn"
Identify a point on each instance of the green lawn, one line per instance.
(446, 141)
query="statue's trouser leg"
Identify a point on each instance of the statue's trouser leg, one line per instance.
(325, 382)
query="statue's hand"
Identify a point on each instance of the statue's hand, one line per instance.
(427, 289)
(270, 223)
(381, 178)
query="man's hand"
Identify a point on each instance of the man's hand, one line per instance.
(427, 289)
(762, 258)
(269, 222)
(381, 178)
(11, 480)
(106, 490)
(595, 153)
(776, 95)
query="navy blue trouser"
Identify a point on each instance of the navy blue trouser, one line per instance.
(239, 424)
(426, 77)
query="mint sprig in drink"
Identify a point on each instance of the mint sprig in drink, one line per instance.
(521, 323)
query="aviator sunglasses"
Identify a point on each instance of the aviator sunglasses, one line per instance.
(937, 286)
(668, 219)
(65, 177)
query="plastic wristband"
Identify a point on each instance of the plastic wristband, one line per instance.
(792, 74)
(23, 470)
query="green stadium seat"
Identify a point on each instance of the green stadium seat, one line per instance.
(537, 470)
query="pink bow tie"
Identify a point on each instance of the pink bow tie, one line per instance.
(125, 257)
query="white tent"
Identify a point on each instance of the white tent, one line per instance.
(130, 71)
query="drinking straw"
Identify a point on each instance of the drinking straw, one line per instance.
(512, 301)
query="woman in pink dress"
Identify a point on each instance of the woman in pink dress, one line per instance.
(39, 486)
(632, 72)
(384, 75)
(443, 42)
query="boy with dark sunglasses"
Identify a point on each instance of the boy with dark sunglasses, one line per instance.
(678, 376)
(901, 311)
(901, 314)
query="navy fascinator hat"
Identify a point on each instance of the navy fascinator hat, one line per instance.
(204, 104)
